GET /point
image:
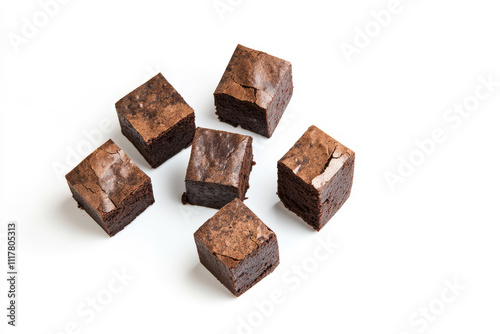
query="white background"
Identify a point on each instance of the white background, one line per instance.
(397, 247)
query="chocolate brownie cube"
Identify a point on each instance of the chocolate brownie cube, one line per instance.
(237, 247)
(110, 187)
(219, 168)
(315, 177)
(254, 91)
(157, 120)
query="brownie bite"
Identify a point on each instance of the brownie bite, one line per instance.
(315, 177)
(237, 247)
(157, 120)
(254, 91)
(110, 187)
(219, 168)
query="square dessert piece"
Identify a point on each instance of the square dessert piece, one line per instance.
(219, 168)
(110, 187)
(254, 91)
(315, 177)
(157, 120)
(237, 247)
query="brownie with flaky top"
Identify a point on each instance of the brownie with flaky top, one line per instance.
(219, 168)
(315, 177)
(110, 187)
(157, 120)
(254, 91)
(237, 247)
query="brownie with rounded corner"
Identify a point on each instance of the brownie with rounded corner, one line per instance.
(254, 91)
(237, 247)
(218, 169)
(157, 120)
(315, 177)
(110, 187)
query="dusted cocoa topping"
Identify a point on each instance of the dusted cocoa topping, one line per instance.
(254, 91)
(237, 247)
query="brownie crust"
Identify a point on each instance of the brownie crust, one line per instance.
(315, 177)
(110, 187)
(237, 247)
(254, 91)
(219, 168)
(157, 120)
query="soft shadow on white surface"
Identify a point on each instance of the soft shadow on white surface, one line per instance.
(78, 220)
(205, 109)
(202, 281)
(290, 216)
(175, 183)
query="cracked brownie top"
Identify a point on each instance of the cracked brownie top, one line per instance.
(316, 157)
(233, 233)
(253, 76)
(217, 157)
(153, 108)
(106, 177)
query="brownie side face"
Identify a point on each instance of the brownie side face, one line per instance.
(157, 120)
(219, 168)
(254, 91)
(110, 187)
(237, 247)
(315, 177)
